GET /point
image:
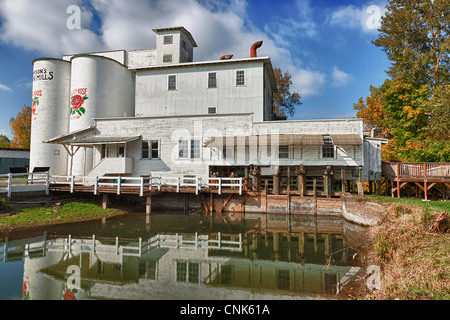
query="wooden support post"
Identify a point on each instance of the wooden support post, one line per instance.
(148, 205)
(315, 197)
(360, 188)
(276, 184)
(105, 201)
(288, 204)
(211, 203)
(392, 188)
(379, 187)
(288, 179)
(425, 188)
(343, 180)
(398, 179)
(266, 189)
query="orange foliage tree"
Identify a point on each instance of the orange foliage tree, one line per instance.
(21, 129)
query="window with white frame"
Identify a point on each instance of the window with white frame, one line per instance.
(189, 149)
(172, 85)
(195, 149)
(188, 271)
(212, 80)
(150, 149)
(240, 78)
(283, 152)
(328, 147)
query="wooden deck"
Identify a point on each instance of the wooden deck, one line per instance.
(424, 176)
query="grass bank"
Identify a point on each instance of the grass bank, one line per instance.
(12, 218)
(412, 248)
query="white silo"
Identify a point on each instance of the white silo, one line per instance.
(100, 88)
(50, 116)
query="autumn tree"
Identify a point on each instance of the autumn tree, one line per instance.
(284, 101)
(4, 141)
(21, 129)
(372, 113)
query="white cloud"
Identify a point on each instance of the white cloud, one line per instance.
(42, 26)
(219, 27)
(308, 82)
(340, 78)
(365, 17)
(5, 88)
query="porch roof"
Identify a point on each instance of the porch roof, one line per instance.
(71, 139)
(286, 139)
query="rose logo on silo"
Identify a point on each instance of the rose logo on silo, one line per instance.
(77, 101)
(35, 101)
(34, 105)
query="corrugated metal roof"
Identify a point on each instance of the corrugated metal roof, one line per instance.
(73, 140)
(281, 139)
(346, 139)
(288, 139)
(101, 140)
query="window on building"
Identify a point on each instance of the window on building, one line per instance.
(240, 78)
(181, 271)
(155, 149)
(193, 272)
(172, 82)
(103, 152)
(167, 58)
(121, 152)
(283, 152)
(144, 150)
(150, 149)
(328, 147)
(168, 39)
(212, 110)
(227, 274)
(188, 272)
(212, 80)
(284, 279)
(189, 149)
(195, 149)
(183, 149)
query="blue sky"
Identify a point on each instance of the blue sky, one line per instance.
(324, 44)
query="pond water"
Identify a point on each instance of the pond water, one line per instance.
(172, 256)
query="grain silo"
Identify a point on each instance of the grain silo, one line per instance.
(50, 114)
(100, 88)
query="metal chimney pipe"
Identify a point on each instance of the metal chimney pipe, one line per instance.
(255, 46)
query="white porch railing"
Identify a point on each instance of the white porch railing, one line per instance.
(24, 182)
(109, 248)
(21, 182)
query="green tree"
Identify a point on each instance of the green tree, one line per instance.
(284, 101)
(415, 36)
(21, 129)
(4, 141)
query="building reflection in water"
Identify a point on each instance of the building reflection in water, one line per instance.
(283, 261)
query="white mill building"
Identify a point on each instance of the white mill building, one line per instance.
(157, 112)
